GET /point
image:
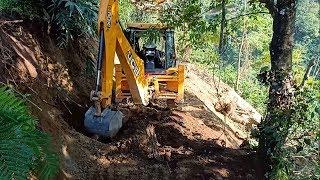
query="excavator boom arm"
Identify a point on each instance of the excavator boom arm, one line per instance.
(114, 41)
(103, 118)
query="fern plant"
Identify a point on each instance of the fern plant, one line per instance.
(23, 148)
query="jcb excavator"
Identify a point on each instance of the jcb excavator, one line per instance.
(142, 74)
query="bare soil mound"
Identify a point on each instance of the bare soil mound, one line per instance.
(158, 144)
(188, 142)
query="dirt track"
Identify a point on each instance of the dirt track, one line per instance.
(156, 143)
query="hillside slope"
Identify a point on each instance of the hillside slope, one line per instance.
(192, 141)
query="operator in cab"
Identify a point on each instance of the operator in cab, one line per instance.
(152, 56)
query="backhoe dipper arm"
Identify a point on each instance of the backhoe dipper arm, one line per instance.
(113, 40)
(103, 119)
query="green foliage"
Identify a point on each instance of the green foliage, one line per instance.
(23, 148)
(308, 22)
(296, 133)
(298, 64)
(126, 11)
(296, 152)
(254, 92)
(302, 144)
(189, 17)
(307, 33)
(251, 89)
(151, 36)
(129, 12)
(66, 19)
(69, 19)
(256, 40)
(31, 9)
(198, 22)
(73, 18)
(294, 136)
(205, 55)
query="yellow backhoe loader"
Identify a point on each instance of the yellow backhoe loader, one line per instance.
(143, 72)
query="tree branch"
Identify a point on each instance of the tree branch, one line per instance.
(307, 73)
(247, 14)
(269, 5)
(10, 22)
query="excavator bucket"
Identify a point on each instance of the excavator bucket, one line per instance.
(106, 125)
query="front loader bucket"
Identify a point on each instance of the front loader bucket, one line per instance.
(106, 125)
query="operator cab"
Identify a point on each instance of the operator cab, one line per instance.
(154, 44)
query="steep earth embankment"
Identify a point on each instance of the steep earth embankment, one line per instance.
(200, 139)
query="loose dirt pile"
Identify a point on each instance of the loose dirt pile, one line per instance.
(189, 142)
(158, 144)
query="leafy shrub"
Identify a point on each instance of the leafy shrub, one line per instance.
(254, 92)
(296, 152)
(205, 55)
(66, 19)
(301, 151)
(30, 9)
(73, 18)
(23, 148)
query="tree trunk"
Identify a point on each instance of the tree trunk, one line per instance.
(316, 71)
(274, 128)
(223, 27)
(311, 64)
(239, 65)
(187, 50)
(244, 35)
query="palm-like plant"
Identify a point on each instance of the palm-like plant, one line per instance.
(23, 148)
(74, 18)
